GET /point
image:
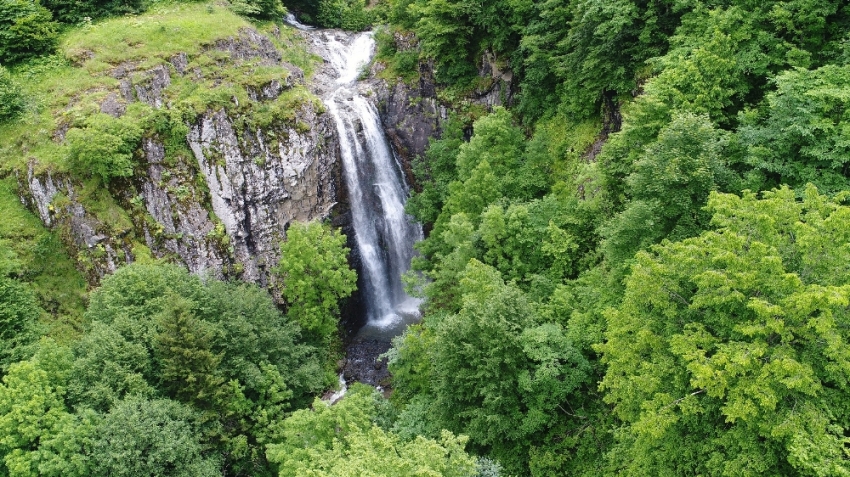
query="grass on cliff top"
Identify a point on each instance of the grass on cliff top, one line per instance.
(157, 34)
(62, 90)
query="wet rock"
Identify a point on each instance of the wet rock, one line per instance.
(363, 363)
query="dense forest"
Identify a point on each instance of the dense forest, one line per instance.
(639, 265)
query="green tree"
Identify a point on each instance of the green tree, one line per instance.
(188, 365)
(256, 334)
(19, 315)
(38, 434)
(138, 292)
(498, 375)
(343, 440)
(150, 438)
(263, 9)
(314, 271)
(26, 29)
(727, 355)
(345, 14)
(107, 367)
(801, 134)
(448, 34)
(669, 187)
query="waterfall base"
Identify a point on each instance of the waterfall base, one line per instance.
(362, 363)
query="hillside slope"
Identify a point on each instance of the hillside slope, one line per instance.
(186, 132)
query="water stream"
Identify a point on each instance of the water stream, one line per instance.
(377, 191)
(375, 181)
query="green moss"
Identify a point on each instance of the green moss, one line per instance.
(41, 260)
(99, 202)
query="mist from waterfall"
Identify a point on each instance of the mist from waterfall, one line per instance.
(377, 190)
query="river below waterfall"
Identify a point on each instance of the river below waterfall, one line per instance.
(374, 178)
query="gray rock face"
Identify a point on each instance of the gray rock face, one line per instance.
(250, 44)
(412, 113)
(411, 116)
(149, 90)
(182, 226)
(56, 202)
(221, 209)
(257, 189)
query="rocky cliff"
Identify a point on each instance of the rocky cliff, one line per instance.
(254, 151)
(413, 112)
(220, 198)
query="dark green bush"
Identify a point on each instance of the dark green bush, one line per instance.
(104, 147)
(75, 11)
(26, 29)
(345, 14)
(263, 9)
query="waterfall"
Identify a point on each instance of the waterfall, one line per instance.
(377, 191)
(290, 19)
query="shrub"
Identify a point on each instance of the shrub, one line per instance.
(75, 11)
(26, 29)
(11, 101)
(263, 9)
(104, 147)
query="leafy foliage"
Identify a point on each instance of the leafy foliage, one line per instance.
(104, 147)
(19, 314)
(158, 437)
(263, 9)
(183, 347)
(315, 274)
(40, 434)
(730, 344)
(801, 134)
(222, 348)
(69, 11)
(346, 14)
(498, 376)
(343, 440)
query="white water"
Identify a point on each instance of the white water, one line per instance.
(290, 19)
(385, 234)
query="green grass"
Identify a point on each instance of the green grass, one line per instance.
(155, 35)
(62, 90)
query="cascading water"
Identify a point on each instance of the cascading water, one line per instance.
(384, 233)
